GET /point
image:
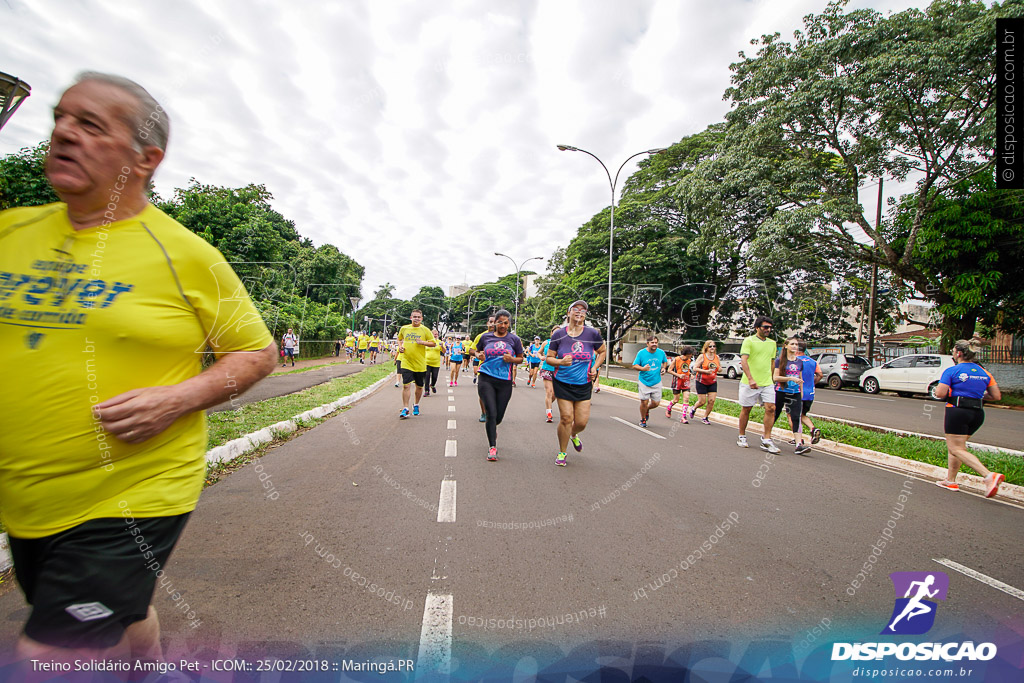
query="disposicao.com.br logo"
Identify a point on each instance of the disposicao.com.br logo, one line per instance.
(913, 613)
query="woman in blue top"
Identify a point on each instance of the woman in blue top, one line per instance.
(533, 353)
(456, 363)
(500, 351)
(788, 376)
(966, 385)
(571, 352)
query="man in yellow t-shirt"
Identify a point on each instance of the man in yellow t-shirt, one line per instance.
(413, 341)
(350, 347)
(106, 307)
(757, 356)
(362, 345)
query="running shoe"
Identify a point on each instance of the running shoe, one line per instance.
(815, 435)
(560, 459)
(449, 383)
(492, 454)
(948, 485)
(396, 384)
(456, 383)
(792, 442)
(705, 420)
(483, 417)
(597, 391)
(992, 482)
(693, 411)
(416, 409)
(474, 380)
(801, 449)
(668, 411)
(513, 382)
(549, 416)
(742, 442)
(577, 444)
(769, 445)
(643, 423)
(404, 413)
(683, 419)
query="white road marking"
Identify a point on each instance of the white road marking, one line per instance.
(451, 409)
(451, 424)
(638, 428)
(451, 399)
(450, 448)
(435, 654)
(826, 403)
(978, 576)
(451, 391)
(446, 505)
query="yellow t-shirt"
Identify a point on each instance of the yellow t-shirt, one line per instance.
(433, 355)
(364, 341)
(414, 358)
(85, 316)
(350, 342)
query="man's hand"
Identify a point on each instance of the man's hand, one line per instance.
(753, 385)
(140, 414)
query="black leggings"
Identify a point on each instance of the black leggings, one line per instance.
(431, 380)
(795, 408)
(495, 394)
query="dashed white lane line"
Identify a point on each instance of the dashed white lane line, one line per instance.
(446, 505)
(841, 405)
(435, 654)
(978, 576)
(638, 428)
(451, 399)
(450, 448)
(451, 424)
(451, 409)
(451, 391)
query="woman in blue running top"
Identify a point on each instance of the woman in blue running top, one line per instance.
(499, 351)
(965, 386)
(788, 375)
(456, 362)
(571, 351)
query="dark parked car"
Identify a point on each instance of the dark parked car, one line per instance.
(841, 369)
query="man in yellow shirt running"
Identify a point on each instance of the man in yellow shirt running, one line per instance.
(107, 307)
(413, 341)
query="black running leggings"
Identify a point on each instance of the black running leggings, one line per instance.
(795, 408)
(431, 381)
(495, 394)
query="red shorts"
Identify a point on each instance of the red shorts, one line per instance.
(680, 384)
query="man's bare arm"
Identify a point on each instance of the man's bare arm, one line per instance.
(141, 414)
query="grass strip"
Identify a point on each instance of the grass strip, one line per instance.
(226, 425)
(907, 447)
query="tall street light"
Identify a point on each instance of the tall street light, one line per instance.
(13, 92)
(611, 234)
(518, 268)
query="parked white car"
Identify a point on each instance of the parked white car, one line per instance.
(730, 365)
(917, 373)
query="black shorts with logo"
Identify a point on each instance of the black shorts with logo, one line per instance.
(89, 583)
(572, 392)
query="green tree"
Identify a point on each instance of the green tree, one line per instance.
(23, 178)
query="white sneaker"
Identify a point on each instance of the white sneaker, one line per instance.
(769, 446)
(742, 442)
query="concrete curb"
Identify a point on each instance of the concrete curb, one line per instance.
(969, 482)
(242, 445)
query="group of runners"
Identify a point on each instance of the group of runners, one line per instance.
(360, 346)
(567, 364)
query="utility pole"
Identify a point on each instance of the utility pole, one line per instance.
(874, 281)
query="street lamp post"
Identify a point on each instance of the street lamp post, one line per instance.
(611, 233)
(13, 92)
(515, 320)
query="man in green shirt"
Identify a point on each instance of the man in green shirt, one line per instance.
(412, 342)
(756, 386)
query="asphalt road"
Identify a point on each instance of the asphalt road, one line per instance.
(271, 556)
(1004, 428)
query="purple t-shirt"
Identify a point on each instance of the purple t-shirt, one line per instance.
(494, 347)
(583, 348)
(793, 368)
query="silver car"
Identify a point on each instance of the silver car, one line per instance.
(841, 369)
(730, 365)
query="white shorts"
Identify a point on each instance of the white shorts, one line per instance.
(649, 393)
(751, 397)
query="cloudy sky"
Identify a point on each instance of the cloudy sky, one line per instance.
(418, 137)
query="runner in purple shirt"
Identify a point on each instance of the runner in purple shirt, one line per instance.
(570, 352)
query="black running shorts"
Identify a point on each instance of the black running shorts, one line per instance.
(89, 583)
(963, 420)
(706, 388)
(572, 392)
(410, 376)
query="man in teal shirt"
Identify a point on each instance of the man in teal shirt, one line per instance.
(651, 362)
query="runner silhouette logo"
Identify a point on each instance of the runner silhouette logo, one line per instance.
(914, 610)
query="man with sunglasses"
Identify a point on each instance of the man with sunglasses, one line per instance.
(756, 357)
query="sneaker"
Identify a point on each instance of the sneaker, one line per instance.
(792, 442)
(483, 417)
(705, 420)
(560, 460)
(474, 380)
(577, 444)
(597, 391)
(456, 384)
(769, 445)
(404, 413)
(948, 485)
(449, 383)
(992, 482)
(801, 449)
(549, 416)
(643, 423)
(742, 442)
(416, 409)
(668, 411)
(396, 384)
(693, 411)
(492, 454)
(683, 420)
(815, 435)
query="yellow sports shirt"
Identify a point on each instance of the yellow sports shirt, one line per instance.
(414, 358)
(433, 355)
(364, 341)
(85, 316)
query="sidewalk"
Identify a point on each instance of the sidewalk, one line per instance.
(306, 363)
